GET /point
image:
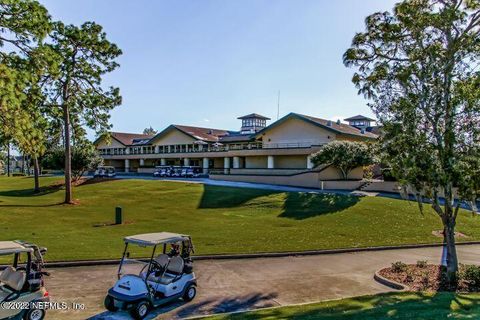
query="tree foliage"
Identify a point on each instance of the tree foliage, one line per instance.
(419, 66)
(84, 157)
(344, 155)
(150, 131)
(77, 94)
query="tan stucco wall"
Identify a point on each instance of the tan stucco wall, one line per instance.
(310, 179)
(255, 162)
(297, 131)
(218, 163)
(118, 164)
(173, 137)
(290, 162)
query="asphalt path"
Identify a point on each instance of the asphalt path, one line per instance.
(235, 285)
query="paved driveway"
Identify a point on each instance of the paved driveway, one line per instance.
(229, 285)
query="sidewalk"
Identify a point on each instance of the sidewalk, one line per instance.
(232, 285)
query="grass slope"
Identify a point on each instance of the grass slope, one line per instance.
(220, 219)
(418, 306)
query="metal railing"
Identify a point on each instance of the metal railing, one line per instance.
(205, 148)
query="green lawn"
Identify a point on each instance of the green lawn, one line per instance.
(418, 306)
(220, 219)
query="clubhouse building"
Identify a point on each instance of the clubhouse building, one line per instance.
(283, 147)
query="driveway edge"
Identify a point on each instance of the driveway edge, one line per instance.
(86, 263)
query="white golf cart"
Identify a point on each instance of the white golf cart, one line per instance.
(105, 172)
(144, 284)
(22, 282)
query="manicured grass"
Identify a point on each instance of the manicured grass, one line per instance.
(220, 219)
(418, 306)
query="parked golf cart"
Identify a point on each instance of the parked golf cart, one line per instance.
(163, 171)
(176, 172)
(191, 172)
(144, 284)
(23, 280)
(105, 172)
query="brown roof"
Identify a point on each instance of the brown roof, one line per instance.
(339, 127)
(128, 138)
(206, 134)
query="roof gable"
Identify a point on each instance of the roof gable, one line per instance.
(339, 128)
(359, 117)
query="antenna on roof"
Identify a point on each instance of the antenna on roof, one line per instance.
(278, 105)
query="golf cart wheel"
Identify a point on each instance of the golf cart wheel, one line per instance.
(34, 314)
(190, 293)
(140, 311)
(109, 304)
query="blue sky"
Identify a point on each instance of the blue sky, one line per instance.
(207, 62)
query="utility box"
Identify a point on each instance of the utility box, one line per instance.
(118, 215)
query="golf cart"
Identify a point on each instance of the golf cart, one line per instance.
(176, 172)
(143, 284)
(105, 172)
(162, 171)
(22, 282)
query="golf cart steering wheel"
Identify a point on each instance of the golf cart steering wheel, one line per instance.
(155, 267)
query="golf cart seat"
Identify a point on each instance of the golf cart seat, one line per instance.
(6, 273)
(13, 279)
(162, 259)
(174, 270)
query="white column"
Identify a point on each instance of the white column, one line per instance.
(142, 162)
(157, 149)
(226, 164)
(309, 162)
(127, 150)
(236, 162)
(205, 165)
(270, 162)
(186, 162)
(127, 165)
(163, 162)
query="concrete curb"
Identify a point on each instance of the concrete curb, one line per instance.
(87, 263)
(389, 283)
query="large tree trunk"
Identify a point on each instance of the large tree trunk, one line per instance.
(452, 260)
(68, 164)
(36, 175)
(8, 158)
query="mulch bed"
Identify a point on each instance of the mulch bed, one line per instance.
(423, 278)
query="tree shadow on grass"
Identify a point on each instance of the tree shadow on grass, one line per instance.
(443, 305)
(215, 197)
(301, 206)
(30, 192)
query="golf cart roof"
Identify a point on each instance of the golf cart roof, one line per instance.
(10, 247)
(153, 239)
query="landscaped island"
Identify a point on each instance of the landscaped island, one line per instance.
(220, 219)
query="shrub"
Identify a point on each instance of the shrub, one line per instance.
(471, 275)
(422, 263)
(399, 267)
